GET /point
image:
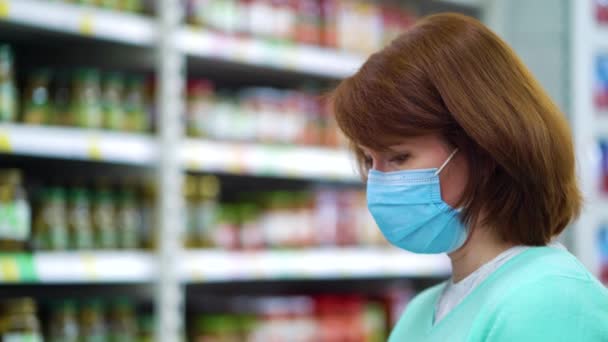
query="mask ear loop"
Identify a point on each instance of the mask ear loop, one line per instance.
(445, 163)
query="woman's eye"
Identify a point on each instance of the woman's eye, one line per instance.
(400, 159)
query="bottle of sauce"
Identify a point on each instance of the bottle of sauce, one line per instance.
(104, 223)
(92, 323)
(128, 219)
(137, 119)
(148, 229)
(145, 328)
(114, 117)
(37, 109)
(198, 107)
(15, 212)
(122, 325)
(50, 221)
(202, 194)
(79, 219)
(63, 323)
(86, 99)
(61, 114)
(21, 323)
(135, 6)
(8, 90)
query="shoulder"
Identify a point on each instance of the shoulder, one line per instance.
(550, 297)
(421, 308)
(425, 299)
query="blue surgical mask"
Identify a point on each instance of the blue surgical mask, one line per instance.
(408, 208)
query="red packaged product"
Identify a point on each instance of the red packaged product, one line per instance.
(308, 21)
(329, 15)
(601, 11)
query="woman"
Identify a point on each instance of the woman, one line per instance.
(465, 154)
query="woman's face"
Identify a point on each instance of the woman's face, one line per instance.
(424, 152)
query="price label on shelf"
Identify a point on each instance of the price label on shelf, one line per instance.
(5, 8)
(16, 268)
(242, 50)
(9, 268)
(289, 56)
(94, 148)
(5, 142)
(237, 162)
(86, 25)
(193, 164)
(89, 266)
(198, 276)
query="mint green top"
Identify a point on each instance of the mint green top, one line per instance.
(542, 294)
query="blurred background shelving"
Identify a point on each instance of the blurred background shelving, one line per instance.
(170, 168)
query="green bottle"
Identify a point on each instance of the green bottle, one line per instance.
(37, 107)
(63, 322)
(79, 219)
(8, 90)
(128, 219)
(104, 223)
(93, 326)
(114, 116)
(50, 222)
(86, 99)
(137, 119)
(122, 324)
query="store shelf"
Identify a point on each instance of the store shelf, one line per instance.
(268, 160)
(79, 144)
(218, 266)
(196, 155)
(79, 20)
(261, 53)
(77, 267)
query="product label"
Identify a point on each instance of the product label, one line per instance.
(4, 9)
(15, 220)
(22, 337)
(17, 267)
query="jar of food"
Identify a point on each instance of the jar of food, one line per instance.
(37, 107)
(114, 116)
(202, 194)
(149, 218)
(21, 323)
(110, 4)
(104, 222)
(79, 219)
(63, 323)
(137, 118)
(128, 219)
(92, 323)
(8, 89)
(251, 234)
(198, 107)
(226, 229)
(122, 325)
(50, 225)
(86, 99)
(221, 328)
(62, 109)
(135, 6)
(15, 212)
(308, 19)
(145, 325)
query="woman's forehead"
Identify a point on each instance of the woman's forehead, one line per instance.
(412, 142)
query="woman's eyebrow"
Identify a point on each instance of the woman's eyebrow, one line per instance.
(398, 148)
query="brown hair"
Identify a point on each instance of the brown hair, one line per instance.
(450, 75)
